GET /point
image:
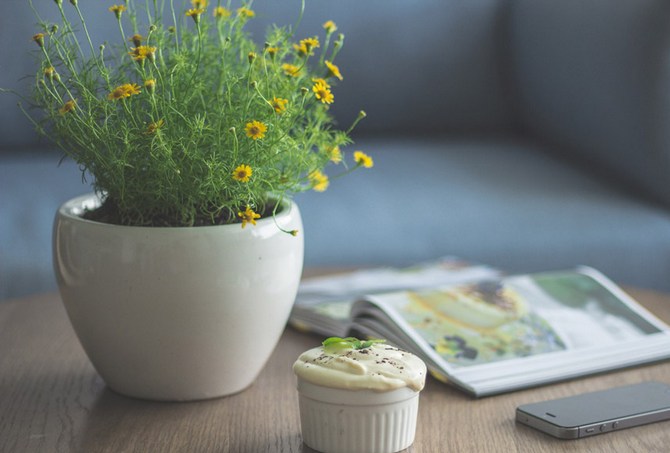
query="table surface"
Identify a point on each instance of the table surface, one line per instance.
(52, 400)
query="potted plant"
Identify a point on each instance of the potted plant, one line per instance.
(179, 272)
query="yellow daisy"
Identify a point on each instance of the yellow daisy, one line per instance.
(117, 10)
(363, 159)
(124, 91)
(248, 216)
(136, 39)
(322, 92)
(199, 3)
(319, 181)
(67, 107)
(195, 14)
(152, 128)
(333, 70)
(334, 154)
(255, 130)
(245, 12)
(279, 105)
(291, 70)
(141, 52)
(221, 12)
(272, 51)
(307, 45)
(318, 80)
(242, 173)
(330, 26)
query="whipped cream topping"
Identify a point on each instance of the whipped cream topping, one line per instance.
(379, 367)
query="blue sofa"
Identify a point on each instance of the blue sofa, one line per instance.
(527, 134)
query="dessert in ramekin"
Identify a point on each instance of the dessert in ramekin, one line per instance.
(358, 396)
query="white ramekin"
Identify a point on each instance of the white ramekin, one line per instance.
(357, 421)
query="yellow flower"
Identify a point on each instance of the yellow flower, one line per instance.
(319, 181)
(117, 10)
(39, 39)
(318, 80)
(279, 104)
(153, 127)
(221, 12)
(272, 51)
(195, 13)
(248, 216)
(50, 73)
(199, 3)
(322, 92)
(307, 45)
(363, 159)
(310, 43)
(136, 39)
(334, 154)
(124, 91)
(291, 70)
(141, 52)
(242, 173)
(255, 130)
(67, 107)
(245, 12)
(330, 26)
(333, 70)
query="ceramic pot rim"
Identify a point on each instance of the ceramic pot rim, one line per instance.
(73, 209)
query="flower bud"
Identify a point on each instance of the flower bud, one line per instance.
(74, 2)
(251, 56)
(54, 29)
(330, 26)
(304, 91)
(39, 39)
(340, 41)
(150, 85)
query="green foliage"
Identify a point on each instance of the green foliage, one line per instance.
(337, 344)
(192, 122)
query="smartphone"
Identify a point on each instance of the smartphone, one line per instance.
(599, 412)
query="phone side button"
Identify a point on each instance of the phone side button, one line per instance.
(586, 431)
(603, 427)
(615, 425)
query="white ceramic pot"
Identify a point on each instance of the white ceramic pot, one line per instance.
(177, 313)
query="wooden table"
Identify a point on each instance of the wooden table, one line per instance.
(52, 400)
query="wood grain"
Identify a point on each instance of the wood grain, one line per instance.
(52, 400)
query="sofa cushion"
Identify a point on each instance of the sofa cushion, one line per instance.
(503, 202)
(594, 78)
(415, 67)
(506, 203)
(32, 186)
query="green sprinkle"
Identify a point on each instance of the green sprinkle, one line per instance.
(337, 344)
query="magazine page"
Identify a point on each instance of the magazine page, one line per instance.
(497, 335)
(323, 304)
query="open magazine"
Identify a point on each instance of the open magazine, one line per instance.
(501, 333)
(323, 305)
